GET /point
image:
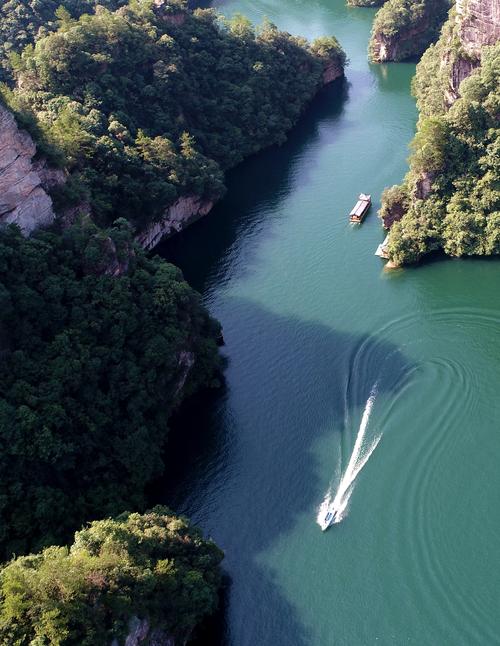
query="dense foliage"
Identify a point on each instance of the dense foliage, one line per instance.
(431, 82)
(154, 567)
(455, 166)
(409, 26)
(152, 102)
(22, 21)
(92, 366)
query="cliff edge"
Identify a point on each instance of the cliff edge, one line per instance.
(24, 180)
(476, 24)
(405, 28)
(449, 199)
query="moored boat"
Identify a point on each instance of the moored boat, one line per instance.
(360, 209)
(382, 248)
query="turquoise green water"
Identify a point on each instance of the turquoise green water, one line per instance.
(313, 328)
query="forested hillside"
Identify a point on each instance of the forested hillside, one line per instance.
(153, 102)
(150, 573)
(451, 195)
(22, 21)
(92, 366)
(405, 28)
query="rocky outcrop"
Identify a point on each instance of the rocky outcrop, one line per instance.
(177, 217)
(333, 70)
(185, 362)
(384, 48)
(423, 185)
(168, 13)
(141, 634)
(112, 262)
(405, 28)
(395, 200)
(24, 183)
(392, 214)
(460, 69)
(477, 23)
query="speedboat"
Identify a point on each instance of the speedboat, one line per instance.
(328, 519)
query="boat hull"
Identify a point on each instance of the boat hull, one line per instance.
(360, 209)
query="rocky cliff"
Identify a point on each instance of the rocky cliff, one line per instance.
(24, 181)
(177, 217)
(190, 208)
(388, 46)
(141, 633)
(25, 185)
(395, 47)
(476, 24)
(405, 28)
(441, 204)
(332, 71)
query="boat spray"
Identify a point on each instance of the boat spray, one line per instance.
(337, 503)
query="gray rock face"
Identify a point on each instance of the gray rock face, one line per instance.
(477, 24)
(177, 217)
(331, 72)
(393, 214)
(185, 361)
(423, 185)
(23, 183)
(388, 48)
(140, 634)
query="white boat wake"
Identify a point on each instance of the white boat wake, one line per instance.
(332, 509)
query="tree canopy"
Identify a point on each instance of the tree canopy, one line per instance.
(411, 25)
(92, 367)
(456, 153)
(153, 102)
(153, 567)
(23, 21)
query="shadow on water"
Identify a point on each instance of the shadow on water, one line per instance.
(243, 464)
(241, 461)
(254, 186)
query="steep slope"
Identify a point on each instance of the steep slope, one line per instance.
(152, 576)
(477, 24)
(22, 21)
(405, 28)
(473, 24)
(450, 199)
(92, 367)
(24, 180)
(150, 104)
